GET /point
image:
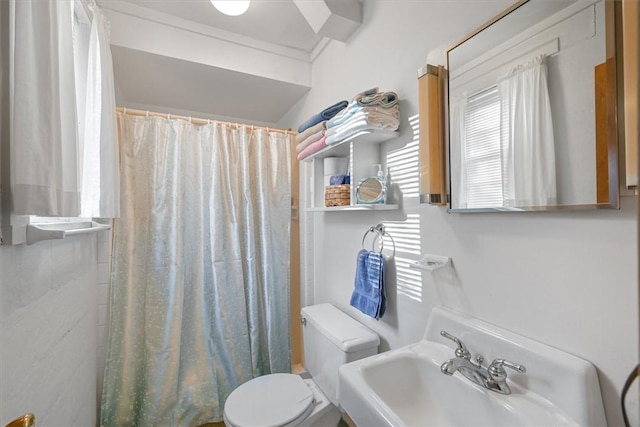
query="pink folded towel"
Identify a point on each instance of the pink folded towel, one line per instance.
(309, 140)
(310, 131)
(313, 148)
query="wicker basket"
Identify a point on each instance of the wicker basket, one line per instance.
(337, 195)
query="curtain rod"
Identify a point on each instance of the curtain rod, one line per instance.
(197, 121)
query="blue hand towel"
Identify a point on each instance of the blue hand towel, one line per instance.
(323, 115)
(368, 293)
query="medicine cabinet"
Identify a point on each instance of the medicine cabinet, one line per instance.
(571, 161)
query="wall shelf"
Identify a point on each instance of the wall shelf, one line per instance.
(61, 230)
(355, 208)
(363, 147)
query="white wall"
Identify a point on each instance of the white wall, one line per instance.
(567, 279)
(49, 330)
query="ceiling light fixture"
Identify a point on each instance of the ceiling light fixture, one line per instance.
(231, 7)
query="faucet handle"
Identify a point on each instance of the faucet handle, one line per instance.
(461, 351)
(497, 371)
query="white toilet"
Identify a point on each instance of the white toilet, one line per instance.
(331, 339)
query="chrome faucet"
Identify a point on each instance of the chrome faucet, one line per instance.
(493, 378)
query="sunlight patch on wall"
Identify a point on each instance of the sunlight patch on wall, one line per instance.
(404, 163)
(406, 235)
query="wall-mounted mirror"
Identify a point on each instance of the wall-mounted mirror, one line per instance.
(532, 109)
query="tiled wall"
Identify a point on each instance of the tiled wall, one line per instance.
(48, 330)
(104, 268)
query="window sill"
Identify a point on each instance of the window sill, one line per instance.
(61, 230)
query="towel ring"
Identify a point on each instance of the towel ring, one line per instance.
(376, 237)
(380, 233)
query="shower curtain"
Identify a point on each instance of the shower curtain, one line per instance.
(200, 271)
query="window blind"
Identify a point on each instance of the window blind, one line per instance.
(482, 151)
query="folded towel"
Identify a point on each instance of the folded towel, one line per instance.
(354, 100)
(392, 111)
(383, 99)
(368, 293)
(374, 118)
(345, 131)
(310, 131)
(352, 127)
(385, 120)
(313, 148)
(354, 108)
(344, 115)
(310, 140)
(325, 114)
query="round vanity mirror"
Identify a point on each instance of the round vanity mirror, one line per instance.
(370, 191)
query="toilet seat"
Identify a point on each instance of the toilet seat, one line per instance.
(273, 400)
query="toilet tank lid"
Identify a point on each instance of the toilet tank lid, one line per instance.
(344, 331)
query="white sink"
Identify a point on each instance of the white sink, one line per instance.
(405, 387)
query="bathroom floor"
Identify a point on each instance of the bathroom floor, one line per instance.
(343, 423)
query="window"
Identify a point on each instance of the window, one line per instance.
(63, 154)
(81, 28)
(506, 150)
(482, 151)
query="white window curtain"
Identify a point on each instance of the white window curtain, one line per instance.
(64, 156)
(458, 168)
(526, 133)
(100, 178)
(44, 136)
(504, 143)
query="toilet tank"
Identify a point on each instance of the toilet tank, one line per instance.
(331, 339)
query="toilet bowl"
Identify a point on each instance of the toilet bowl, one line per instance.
(279, 400)
(331, 339)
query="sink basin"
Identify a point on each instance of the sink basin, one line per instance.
(405, 387)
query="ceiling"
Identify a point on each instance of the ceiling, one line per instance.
(179, 86)
(185, 57)
(274, 21)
